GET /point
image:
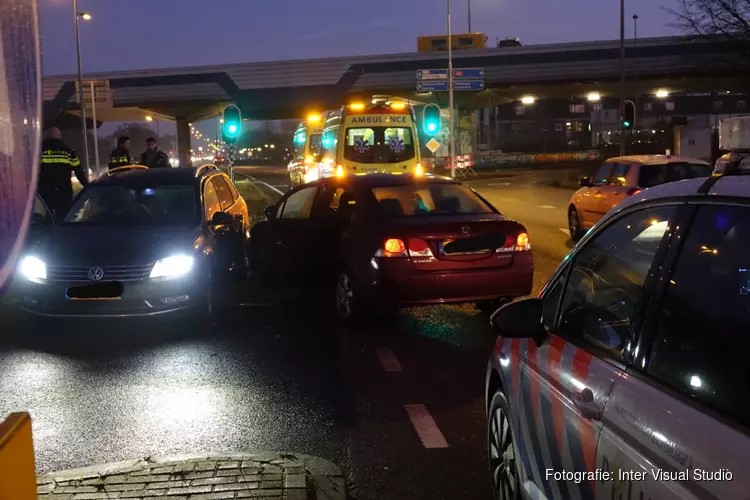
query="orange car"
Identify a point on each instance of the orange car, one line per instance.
(624, 176)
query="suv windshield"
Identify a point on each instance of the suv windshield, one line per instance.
(653, 175)
(429, 199)
(379, 144)
(126, 205)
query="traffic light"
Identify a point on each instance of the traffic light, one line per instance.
(232, 124)
(431, 119)
(628, 121)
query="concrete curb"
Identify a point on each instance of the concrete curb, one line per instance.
(325, 480)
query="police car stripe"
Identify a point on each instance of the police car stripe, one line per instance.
(585, 454)
(572, 455)
(549, 451)
(557, 408)
(515, 364)
(533, 435)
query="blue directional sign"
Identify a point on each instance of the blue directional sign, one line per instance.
(469, 73)
(468, 85)
(432, 74)
(433, 86)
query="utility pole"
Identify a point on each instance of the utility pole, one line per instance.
(77, 15)
(450, 95)
(469, 1)
(622, 77)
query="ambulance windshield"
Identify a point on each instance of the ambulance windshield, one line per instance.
(379, 144)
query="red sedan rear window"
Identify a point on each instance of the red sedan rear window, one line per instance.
(429, 199)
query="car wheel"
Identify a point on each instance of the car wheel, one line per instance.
(490, 306)
(346, 304)
(506, 482)
(574, 225)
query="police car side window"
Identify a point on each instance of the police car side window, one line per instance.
(222, 190)
(605, 283)
(210, 200)
(703, 334)
(551, 299)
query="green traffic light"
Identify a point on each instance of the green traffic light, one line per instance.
(232, 128)
(431, 127)
(626, 124)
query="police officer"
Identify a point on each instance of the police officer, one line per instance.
(120, 156)
(154, 157)
(58, 161)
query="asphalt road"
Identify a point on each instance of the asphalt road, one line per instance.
(280, 376)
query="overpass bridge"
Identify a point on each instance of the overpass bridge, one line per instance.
(286, 89)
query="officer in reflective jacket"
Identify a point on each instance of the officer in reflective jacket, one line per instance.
(58, 161)
(120, 157)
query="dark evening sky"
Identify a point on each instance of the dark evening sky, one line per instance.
(130, 34)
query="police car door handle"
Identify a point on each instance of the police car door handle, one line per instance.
(585, 403)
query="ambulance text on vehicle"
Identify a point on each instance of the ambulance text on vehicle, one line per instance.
(307, 150)
(363, 139)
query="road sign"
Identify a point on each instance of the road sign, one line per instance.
(433, 86)
(469, 73)
(468, 85)
(432, 74)
(432, 145)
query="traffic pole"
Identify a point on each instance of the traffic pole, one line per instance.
(450, 95)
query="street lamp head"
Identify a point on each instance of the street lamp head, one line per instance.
(662, 93)
(528, 99)
(594, 97)
(149, 118)
(85, 16)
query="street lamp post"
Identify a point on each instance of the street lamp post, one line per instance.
(85, 16)
(150, 119)
(450, 95)
(469, 2)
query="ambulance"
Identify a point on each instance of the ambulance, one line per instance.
(377, 137)
(303, 167)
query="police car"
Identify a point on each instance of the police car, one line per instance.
(628, 376)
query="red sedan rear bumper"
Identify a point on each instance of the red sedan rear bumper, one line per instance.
(396, 282)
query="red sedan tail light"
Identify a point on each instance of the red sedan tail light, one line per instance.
(515, 243)
(395, 247)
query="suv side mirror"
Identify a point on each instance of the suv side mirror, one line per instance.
(585, 182)
(270, 212)
(520, 319)
(221, 219)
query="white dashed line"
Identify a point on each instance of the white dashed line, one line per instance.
(426, 427)
(499, 184)
(564, 231)
(547, 206)
(388, 360)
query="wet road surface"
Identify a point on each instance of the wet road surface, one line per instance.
(398, 404)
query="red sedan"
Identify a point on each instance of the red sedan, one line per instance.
(390, 240)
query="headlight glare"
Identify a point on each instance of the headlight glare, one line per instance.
(33, 268)
(172, 267)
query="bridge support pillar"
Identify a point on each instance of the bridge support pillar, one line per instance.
(183, 142)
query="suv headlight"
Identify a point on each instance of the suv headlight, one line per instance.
(172, 267)
(33, 268)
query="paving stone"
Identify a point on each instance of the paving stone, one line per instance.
(250, 463)
(214, 496)
(270, 485)
(296, 495)
(228, 472)
(295, 481)
(272, 469)
(229, 465)
(294, 470)
(76, 489)
(195, 475)
(168, 484)
(125, 487)
(203, 466)
(150, 478)
(259, 494)
(144, 494)
(250, 470)
(236, 487)
(119, 478)
(214, 480)
(190, 490)
(95, 496)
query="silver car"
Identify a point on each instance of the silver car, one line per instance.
(627, 378)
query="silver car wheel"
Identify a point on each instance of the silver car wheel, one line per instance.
(503, 457)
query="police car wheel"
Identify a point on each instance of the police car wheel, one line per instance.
(502, 451)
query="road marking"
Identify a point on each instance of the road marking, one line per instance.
(547, 206)
(270, 186)
(388, 360)
(499, 184)
(564, 231)
(426, 427)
